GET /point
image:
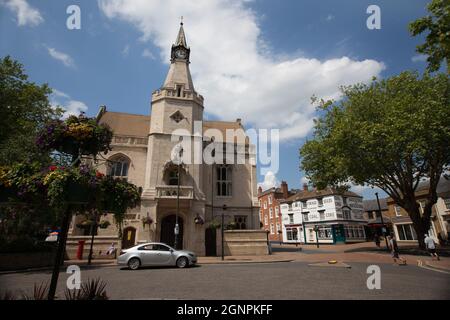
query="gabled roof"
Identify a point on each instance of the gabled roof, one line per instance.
(126, 124)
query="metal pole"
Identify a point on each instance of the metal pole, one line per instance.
(382, 221)
(93, 229)
(62, 237)
(178, 210)
(317, 237)
(223, 226)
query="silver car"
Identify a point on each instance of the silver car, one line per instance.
(155, 254)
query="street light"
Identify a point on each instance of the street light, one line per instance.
(316, 229)
(383, 227)
(178, 163)
(224, 208)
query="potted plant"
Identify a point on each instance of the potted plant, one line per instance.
(231, 226)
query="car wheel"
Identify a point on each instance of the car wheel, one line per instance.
(182, 262)
(134, 263)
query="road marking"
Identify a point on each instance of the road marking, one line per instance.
(420, 264)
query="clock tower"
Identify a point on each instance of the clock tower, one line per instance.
(180, 50)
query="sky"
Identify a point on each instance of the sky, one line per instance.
(258, 60)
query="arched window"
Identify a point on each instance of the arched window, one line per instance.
(224, 181)
(119, 167)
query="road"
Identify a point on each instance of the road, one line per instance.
(287, 280)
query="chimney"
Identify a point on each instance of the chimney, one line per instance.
(284, 189)
(305, 186)
(239, 121)
(259, 190)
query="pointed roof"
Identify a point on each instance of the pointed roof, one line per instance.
(181, 38)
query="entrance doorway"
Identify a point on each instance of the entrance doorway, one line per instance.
(210, 242)
(129, 237)
(339, 236)
(168, 231)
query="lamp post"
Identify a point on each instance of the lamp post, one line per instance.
(177, 228)
(224, 208)
(383, 227)
(316, 229)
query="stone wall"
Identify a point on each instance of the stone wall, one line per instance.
(245, 242)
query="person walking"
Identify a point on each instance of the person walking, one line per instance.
(394, 250)
(431, 247)
(376, 238)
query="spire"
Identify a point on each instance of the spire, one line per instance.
(181, 38)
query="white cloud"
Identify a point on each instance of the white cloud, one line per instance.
(270, 181)
(233, 67)
(63, 100)
(329, 17)
(148, 54)
(419, 58)
(26, 14)
(61, 56)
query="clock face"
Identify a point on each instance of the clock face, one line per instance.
(181, 54)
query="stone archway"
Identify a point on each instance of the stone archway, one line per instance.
(167, 234)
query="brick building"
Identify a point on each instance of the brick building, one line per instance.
(270, 214)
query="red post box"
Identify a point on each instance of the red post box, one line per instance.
(80, 249)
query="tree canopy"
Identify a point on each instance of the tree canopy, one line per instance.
(437, 43)
(391, 134)
(24, 108)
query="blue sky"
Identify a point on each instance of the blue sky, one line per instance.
(257, 60)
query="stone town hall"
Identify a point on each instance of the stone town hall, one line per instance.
(141, 153)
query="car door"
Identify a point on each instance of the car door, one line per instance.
(148, 255)
(164, 255)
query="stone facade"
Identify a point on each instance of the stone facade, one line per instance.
(143, 153)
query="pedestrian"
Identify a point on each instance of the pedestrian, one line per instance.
(376, 238)
(394, 250)
(431, 247)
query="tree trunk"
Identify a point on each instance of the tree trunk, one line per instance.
(421, 223)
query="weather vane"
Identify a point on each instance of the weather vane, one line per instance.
(181, 20)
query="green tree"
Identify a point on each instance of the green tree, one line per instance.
(390, 134)
(437, 43)
(25, 107)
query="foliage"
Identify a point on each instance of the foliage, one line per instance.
(437, 43)
(214, 225)
(25, 107)
(231, 226)
(91, 290)
(57, 185)
(75, 136)
(104, 224)
(390, 134)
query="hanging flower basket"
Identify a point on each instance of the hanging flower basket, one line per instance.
(198, 220)
(86, 224)
(146, 220)
(214, 225)
(78, 193)
(104, 224)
